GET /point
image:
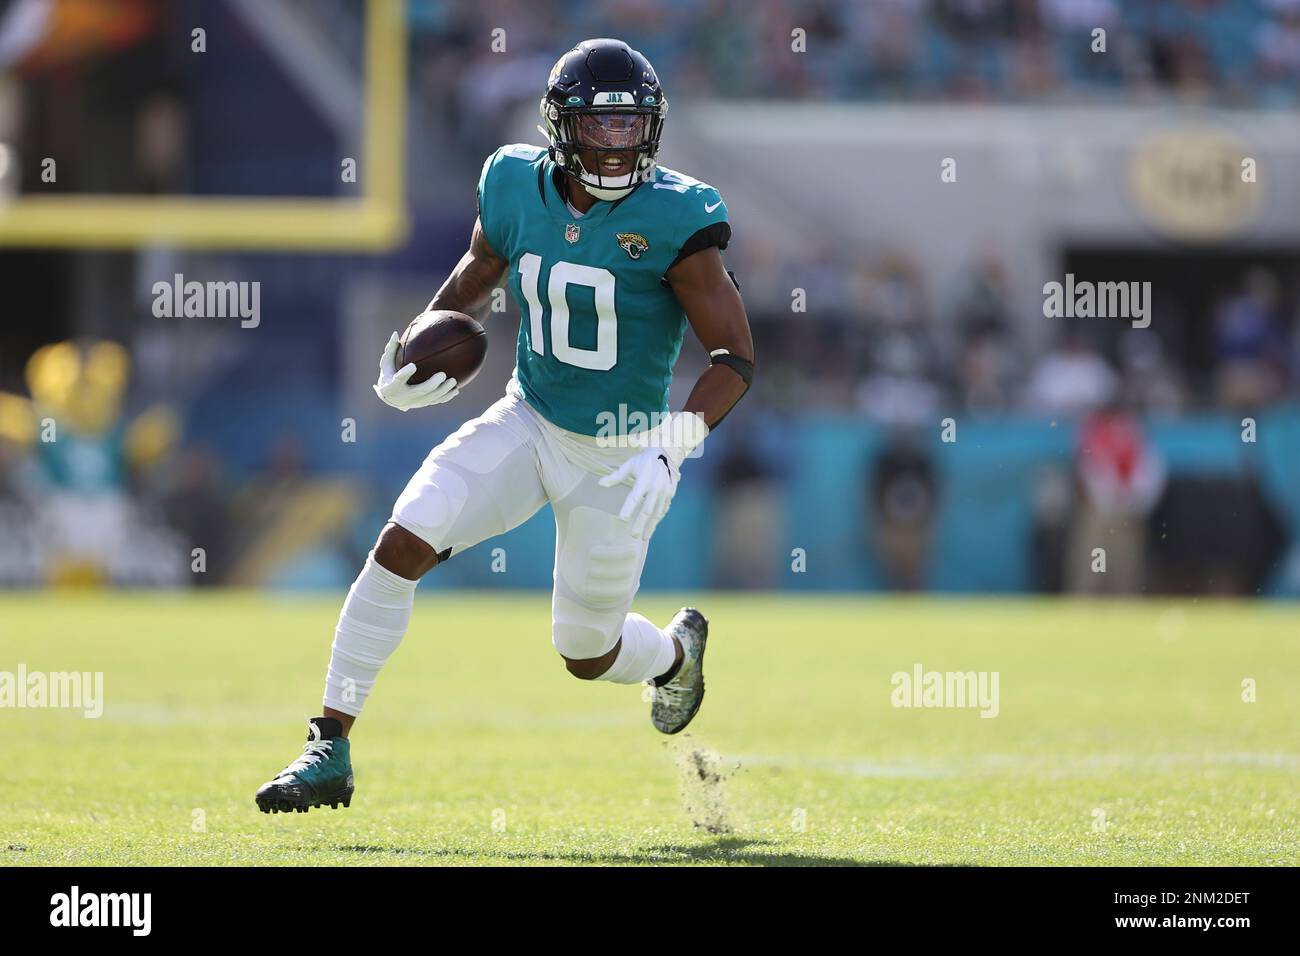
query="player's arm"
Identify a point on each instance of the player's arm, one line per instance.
(712, 305)
(466, 290)
(716, 312)
(470, 284)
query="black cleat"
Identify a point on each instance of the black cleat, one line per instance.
(323, 774)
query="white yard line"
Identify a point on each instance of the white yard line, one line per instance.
(1043, 764)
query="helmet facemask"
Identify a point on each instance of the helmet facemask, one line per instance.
(588, 142)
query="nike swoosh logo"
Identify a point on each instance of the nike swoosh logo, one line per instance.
(708, 208)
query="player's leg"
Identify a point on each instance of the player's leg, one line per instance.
(598, 568)
(480, 482)
(374, 619)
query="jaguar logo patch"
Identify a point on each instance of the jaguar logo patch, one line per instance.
(633, 243)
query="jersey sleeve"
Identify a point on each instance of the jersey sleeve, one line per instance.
(486, 206)
(508, 175)
(703, 221)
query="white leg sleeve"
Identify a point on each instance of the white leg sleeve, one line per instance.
(371, 625)
(646, 652)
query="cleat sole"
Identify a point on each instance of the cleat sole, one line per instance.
(269, 804)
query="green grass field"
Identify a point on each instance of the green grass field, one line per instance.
(1122, 737)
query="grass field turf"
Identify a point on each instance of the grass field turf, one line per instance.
(1122, 737)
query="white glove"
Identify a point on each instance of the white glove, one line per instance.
(655, 471)
(654, 482)
(393, 390)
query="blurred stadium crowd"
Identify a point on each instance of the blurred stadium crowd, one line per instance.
(883, 346)
(1233, 51)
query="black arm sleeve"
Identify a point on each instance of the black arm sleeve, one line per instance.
(715, 234)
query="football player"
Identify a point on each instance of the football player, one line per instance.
(609, 256)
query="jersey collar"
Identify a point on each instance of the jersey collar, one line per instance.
(548, 186)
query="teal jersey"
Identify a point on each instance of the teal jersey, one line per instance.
(85, 464)
(600, 329)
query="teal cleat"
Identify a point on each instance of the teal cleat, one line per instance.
(323, 774)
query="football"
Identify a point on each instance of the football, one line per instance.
(443, 341)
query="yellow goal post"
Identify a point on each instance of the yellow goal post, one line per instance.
(374, 221)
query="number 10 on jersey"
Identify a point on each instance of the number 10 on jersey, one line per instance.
(564, 274)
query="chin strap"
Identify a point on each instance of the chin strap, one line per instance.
(609, 195)
(606, 192)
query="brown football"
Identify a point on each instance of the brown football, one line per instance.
(444, 341)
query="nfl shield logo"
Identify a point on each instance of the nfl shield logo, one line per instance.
(571, 232)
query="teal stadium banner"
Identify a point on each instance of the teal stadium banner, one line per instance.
(981, 531)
